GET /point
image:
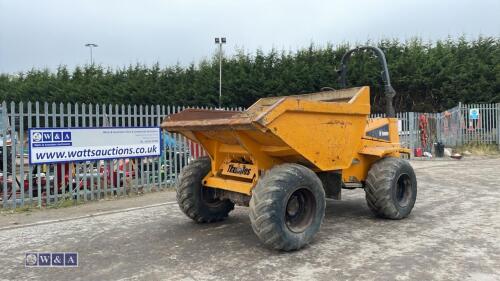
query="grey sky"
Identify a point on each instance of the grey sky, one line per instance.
(46, 33)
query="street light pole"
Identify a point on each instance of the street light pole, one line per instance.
(91, 45)
(220, 75)
(220, 41)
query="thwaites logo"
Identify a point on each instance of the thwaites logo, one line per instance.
(238, 170)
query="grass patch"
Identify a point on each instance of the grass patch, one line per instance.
(479, 149)
(63, 202)
(19, 210)
(24, 209)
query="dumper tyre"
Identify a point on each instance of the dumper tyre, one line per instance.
(287, 207)
(196, 200)
(391, 188)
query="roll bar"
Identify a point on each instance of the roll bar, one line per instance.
(388, 89)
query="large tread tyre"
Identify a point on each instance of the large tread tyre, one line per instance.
(391, 188)
(287, 207)
(197, 201)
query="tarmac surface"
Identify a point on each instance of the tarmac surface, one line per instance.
(453, 233)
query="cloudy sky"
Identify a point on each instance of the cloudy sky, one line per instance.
(47, 33)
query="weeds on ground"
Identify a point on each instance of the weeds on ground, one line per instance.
(479, 149)
(69, 201)
(27, 209)
(63, 202)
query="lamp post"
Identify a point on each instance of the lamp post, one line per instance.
(91, 45)
(220, 41)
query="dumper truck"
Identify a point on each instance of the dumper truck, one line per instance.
(283, 156)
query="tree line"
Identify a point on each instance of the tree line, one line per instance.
(428, 76)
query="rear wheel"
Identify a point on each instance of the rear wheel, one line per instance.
(197, 201)
(391, 188)
(287, 207)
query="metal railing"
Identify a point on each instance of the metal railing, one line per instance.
(22, 184)
(453, 127)
(484, 129)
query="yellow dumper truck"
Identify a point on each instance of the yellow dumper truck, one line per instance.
(284, 155)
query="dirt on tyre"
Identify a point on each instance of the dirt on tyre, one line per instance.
(391, 188)
(196, 200)
(287, 207)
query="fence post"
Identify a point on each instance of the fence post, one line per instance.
(411, 130)
(498, 124)
(439, 127)
(459, 125)
(4, 153)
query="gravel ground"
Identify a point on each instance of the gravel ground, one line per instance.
(453, 233)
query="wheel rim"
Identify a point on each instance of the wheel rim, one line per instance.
(403, 190)
(300, 210)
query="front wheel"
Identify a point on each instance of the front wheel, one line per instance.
(287, 207)
(391, 188)
(198, 201)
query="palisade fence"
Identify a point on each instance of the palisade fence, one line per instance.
(453, 127)
(22, 184)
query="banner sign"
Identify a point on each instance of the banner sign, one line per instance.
(55, 145)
